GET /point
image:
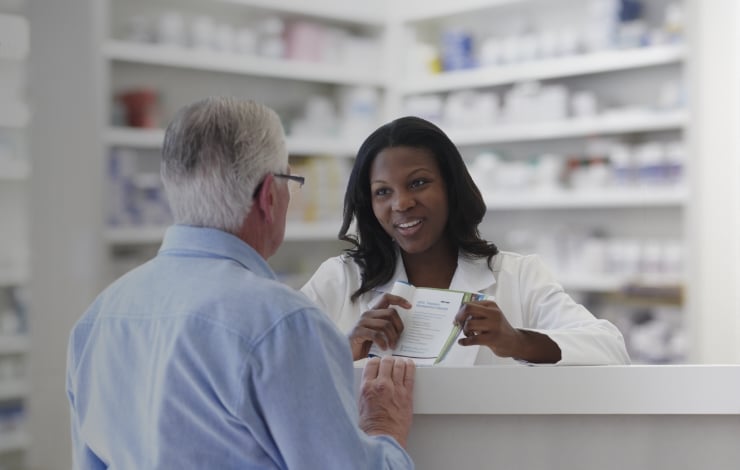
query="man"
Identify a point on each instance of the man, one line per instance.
(200, 358)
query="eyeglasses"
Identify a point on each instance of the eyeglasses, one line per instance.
(298, 182)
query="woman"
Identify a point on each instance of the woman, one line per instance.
(417, 213)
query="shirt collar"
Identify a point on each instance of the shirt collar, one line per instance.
(188, 240)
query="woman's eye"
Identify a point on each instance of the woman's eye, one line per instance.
(381, 192)
(418, 183)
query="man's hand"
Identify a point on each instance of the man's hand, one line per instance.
(381, 326)
(386, 397)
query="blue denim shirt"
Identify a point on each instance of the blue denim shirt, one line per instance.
(201, 359)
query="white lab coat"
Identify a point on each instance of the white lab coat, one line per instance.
(521, 285)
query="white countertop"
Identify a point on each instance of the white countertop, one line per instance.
(599, 390)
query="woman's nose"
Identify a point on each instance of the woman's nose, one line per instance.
(403, 201)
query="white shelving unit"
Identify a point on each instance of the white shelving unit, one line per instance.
(280, 83)
(520, 215)
(14, 175)
(618, 209)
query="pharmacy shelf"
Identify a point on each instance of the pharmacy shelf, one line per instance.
(153, 138)
(12, 277)
(142, 235)
(411, 11)
(312, 231)
(14, 115)
(171, 56)
(348, 11)
(12, 389)
(15, 344)
(588, 199)
(294, 231)
(615, 283)
(134, 137)
(14, 170)
(598, 125)
(601, 62)
(11, 441)
(591, 283)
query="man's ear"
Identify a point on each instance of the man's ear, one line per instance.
(264, 200)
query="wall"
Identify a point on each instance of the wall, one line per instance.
(66, 246)
(714, 210)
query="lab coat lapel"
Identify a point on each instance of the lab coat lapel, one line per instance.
(472, 275)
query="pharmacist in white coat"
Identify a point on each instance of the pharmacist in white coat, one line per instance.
(417, 212)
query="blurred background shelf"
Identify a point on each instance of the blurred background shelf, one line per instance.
(12, 441)
(180, 57)
(15, 344)
(14, 115)
(14, 170)
(294, 231)
(412, 11)
(350, 11)
(13, 389)
(581, 64)
(153, 138)
(596, 126)
(603, 198)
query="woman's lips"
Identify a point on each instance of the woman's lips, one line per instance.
(408, 228)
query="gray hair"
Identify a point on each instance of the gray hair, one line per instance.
(216, 152)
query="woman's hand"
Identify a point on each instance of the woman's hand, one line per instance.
(381, 325)
(484, 323)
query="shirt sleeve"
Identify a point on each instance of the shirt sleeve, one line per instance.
(583, 339)
(299, 383)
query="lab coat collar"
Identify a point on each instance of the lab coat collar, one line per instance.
(471, 275)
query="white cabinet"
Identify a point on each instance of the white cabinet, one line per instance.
(571, 115)
(14, 270)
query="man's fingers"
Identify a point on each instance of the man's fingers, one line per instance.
(410, 376)
(399, 371)
(371, 369)
(386, 367)
(404, 371)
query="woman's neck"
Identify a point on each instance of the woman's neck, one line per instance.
(434, 268)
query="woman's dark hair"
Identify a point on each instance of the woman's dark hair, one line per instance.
(373, 249)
